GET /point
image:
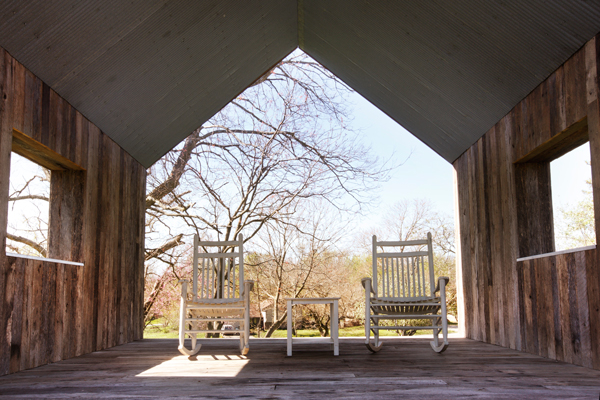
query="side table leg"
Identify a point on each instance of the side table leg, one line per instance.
(289, 328)
(334, 328)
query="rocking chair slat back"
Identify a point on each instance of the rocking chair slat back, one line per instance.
(403, 274)
(218, 272)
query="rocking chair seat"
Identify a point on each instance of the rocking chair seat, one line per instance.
(233, 303)
(422, 307)
(220, 309)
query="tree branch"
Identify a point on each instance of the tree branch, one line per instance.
(29, 197)
(154, 253)
(36, 246)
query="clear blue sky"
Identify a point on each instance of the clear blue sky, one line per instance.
(424, 175)
(569, 174)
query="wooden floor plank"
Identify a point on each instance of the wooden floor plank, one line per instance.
(153, 368)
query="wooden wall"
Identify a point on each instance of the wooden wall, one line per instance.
(51, 311)
(549, 306)
(556, 307)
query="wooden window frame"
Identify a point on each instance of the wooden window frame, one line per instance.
(535, 222)
(67, 188)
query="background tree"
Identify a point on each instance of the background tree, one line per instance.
(296, 257)
(576, 227)
(335, 277)
(579, 221)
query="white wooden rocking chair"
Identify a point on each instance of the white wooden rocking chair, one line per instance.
(219, 294)
(403, 288)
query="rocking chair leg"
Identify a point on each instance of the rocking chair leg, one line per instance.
(374, 348)
(367, 329)
(443, 319)
(194, 339)
(435, 344)
(245, 335)
(376, 345)
(182, 317)
(183, 350)
(244, 346)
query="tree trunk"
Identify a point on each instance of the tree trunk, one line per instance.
(156, 290)
(215, 326)
(179, 168)
(276, 300)
(322, 322)
(36, 246)
(174, 242)
(276, 324)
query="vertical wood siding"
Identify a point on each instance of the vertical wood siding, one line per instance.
(548, 306)
(48, 311)
(560, 307)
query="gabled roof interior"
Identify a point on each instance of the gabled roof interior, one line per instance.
(149, 72)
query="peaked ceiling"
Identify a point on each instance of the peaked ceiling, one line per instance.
(149, 72)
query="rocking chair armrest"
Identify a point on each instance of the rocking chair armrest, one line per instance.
(441, 278)
(249, 285)
(363, 282)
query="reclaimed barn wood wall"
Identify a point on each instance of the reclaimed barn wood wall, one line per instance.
(53, 311)
(551, 305)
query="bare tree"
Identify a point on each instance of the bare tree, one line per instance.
(412, 219)
(27, 229)
(282, 142)
(166, 254)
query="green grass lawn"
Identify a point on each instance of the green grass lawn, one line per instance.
(158, 332)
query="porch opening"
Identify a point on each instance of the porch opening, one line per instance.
(308, 170)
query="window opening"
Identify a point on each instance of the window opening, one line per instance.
(28, 208)
(572, 203)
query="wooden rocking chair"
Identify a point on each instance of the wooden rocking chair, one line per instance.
(403, 288)
(219, 294)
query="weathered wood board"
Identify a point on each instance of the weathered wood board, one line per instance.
(50, 311)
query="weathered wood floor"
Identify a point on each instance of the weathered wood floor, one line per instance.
(154, 369)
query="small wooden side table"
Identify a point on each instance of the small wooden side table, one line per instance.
(333, 332)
